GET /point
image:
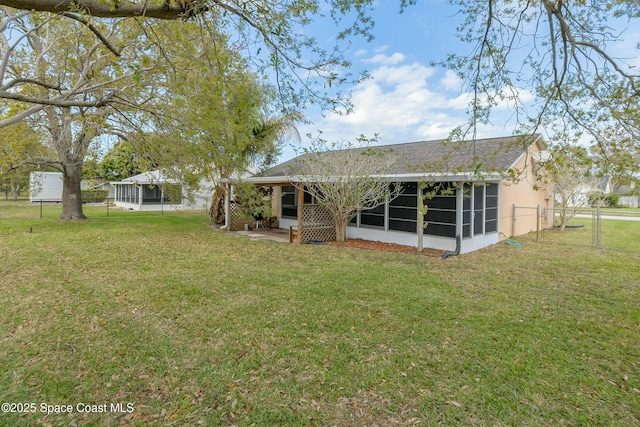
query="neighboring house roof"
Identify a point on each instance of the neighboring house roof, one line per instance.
(437, 157)
(147, 178)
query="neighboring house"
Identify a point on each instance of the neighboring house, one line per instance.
(580, 196)
(479, 207)
(153, 191)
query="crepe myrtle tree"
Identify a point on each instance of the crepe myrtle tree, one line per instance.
(346, 179)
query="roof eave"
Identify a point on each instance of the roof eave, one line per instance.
(408, 177)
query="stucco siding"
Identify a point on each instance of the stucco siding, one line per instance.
(523, 194)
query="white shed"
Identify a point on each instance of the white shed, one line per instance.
(45, 187)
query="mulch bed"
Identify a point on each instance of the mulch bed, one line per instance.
(380, 246)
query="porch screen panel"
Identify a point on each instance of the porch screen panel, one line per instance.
(373, 217)
(403, 214)
(491, 209)
(478, 209)
(441, 212)
(466, 211)
(151, 194)
(289, 205)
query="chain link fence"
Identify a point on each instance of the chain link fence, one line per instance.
(38, 209)
(601, 228)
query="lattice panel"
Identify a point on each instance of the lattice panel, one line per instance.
(317, 225)
(237, 218)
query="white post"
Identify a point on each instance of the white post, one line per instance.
(227, 206)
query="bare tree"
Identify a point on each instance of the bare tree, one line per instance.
(346, 181)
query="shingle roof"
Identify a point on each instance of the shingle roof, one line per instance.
(439, 156)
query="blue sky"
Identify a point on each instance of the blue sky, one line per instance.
(406, 99)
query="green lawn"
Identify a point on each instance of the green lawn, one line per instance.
(193, 326)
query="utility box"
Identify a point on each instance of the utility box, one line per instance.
(45, 187)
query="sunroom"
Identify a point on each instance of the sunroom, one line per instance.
(148, 191)
(463, 208)
(473, 202)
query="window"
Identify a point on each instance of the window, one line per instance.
(466, 210)
(373, 217)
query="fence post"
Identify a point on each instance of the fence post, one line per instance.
(599, 232)
(108, 201)
(40, 208)
(513, 220)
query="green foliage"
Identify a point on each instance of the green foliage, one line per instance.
(127, 158)
(19, 147)
(601, 199)
(253, 202)
(94, 196)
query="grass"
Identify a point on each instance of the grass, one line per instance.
(193, 326)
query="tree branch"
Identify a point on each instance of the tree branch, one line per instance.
(101, 9)
(93, 29)
(56, 102)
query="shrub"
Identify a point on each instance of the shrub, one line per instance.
(94, 196)
(613, 199)
(601, 199)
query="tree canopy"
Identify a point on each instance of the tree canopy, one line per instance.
(270, 35)
(579, 59)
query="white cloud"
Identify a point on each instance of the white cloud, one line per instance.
(401, 102)
(451, 81)
(381, 58)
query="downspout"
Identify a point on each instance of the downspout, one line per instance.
(456, 252)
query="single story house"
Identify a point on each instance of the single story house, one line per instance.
(154, 191)
(484, 181)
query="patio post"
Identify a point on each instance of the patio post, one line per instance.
(300, 203)
(227, 203)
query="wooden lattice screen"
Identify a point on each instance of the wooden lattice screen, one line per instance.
(317, 225)
(236, 218)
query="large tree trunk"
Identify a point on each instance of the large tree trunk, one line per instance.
(216, 211)
(71, 194)
(15, 191)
